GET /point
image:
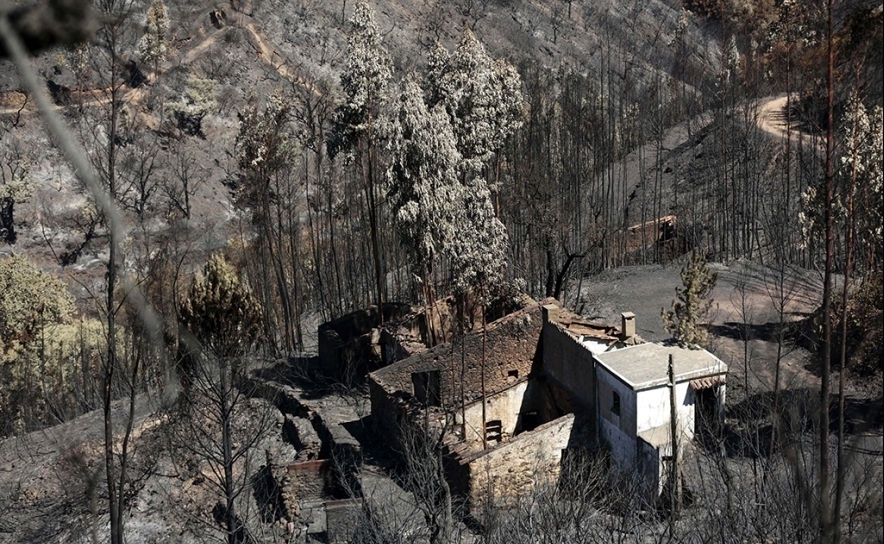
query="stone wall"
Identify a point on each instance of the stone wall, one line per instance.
(350, 346)
(516, 468)
(311, 479)
(511, 350)
(300, 433)
(387, 410)
(341, 518)
(569, 363)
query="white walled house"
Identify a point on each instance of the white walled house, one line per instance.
(633, 405)
(551, 382)
(625, 384)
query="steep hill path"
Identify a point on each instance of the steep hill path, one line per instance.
(16, 102)
(772, 120)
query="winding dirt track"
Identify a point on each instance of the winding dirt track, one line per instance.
(268, 53)
(772, 120)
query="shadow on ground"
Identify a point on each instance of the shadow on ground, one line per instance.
(749, 429)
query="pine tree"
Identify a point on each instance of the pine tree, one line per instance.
(220, 311)
(223, 320)
(862, 172)
(691, 303)
(267, 150)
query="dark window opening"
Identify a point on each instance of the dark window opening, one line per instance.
(529, 421)
(494, 430)
(706, 410)
(427, 387)
(615, 404)
(513, 374)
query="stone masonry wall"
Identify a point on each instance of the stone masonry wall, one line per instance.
(310, 479)
(349, 345)
(387, 409)
(514, 469)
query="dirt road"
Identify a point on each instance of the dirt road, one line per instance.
(772, 120)
(14, 101)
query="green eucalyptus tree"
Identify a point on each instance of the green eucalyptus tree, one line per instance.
(267, 150)
(423, 182)
(481, 95)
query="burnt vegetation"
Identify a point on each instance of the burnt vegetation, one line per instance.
(442, 160)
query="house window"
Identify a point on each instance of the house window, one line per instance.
(615, 403)
(494, 430)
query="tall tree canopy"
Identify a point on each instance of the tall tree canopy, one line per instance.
(860, 173)
(364, 81)
(422, 177)
(478, 249)
(482, 96)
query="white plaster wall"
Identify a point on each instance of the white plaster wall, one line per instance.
(651, 468)
(622, 446)
(618, 432)
(504, 406)
(652, 408)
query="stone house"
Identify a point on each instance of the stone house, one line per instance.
(365, 340)
(353, 344)
(551, 382)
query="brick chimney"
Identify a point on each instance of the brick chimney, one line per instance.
(627, 327)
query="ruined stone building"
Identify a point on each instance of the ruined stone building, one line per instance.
(353, 344)
(550, 382)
